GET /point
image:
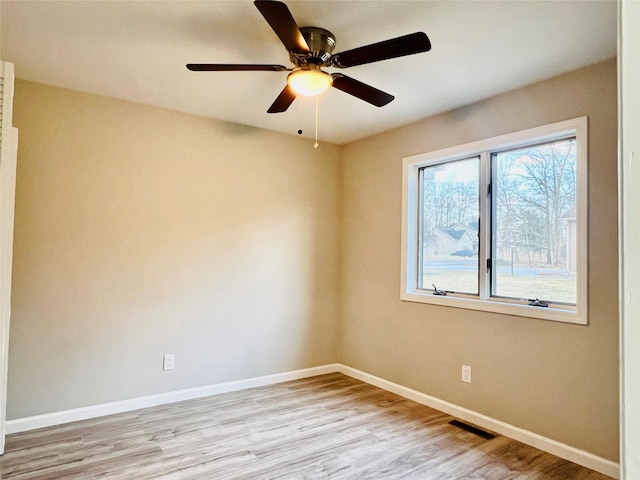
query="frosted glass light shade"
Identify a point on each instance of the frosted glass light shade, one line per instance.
(309, 82)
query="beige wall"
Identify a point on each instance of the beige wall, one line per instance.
(141, 231)
(554, 379)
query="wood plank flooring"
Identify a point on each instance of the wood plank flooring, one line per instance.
(325, 427)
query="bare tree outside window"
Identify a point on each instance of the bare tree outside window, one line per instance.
(533, 216)
(533, 244)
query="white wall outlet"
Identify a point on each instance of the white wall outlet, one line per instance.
(168, 361)
(466, 373)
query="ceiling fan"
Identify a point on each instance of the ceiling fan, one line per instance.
(310, 49)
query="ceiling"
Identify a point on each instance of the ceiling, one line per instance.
(137, 51)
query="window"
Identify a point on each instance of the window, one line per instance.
(449, 212)
(500, 224)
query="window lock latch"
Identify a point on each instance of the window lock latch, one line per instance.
(537, 303)
(438, 292)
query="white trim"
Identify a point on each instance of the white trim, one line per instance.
(629, 234)
(7, 212)
(94, 411)
(554, 447)
(8, 159)
(410, 223)
(549, 445)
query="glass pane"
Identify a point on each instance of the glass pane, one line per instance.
(534, 228)
(449, 226)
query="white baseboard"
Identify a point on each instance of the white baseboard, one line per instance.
(554, 447)
(575, 455)
(93, 411)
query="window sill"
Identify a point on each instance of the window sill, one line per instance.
(543, 313)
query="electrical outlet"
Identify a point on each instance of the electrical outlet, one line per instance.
(168, 361)
(466, 373)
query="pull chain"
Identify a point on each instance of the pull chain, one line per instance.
(316, 145)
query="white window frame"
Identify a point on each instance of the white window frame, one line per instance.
(410, 224)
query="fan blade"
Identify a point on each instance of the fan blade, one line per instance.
(286, 98)
(279, 17)
(396, 47)
(361, 90)
(230, 67)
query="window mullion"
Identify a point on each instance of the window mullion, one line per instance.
(484, 230)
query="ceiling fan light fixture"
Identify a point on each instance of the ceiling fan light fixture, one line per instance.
(310, 49)
(309, 82)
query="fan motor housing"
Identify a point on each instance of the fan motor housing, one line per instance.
(321, 42)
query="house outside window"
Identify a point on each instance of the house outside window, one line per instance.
(500, 224)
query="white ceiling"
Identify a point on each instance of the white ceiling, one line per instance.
(137, 51)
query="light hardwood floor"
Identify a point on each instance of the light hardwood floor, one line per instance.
(325, 427)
